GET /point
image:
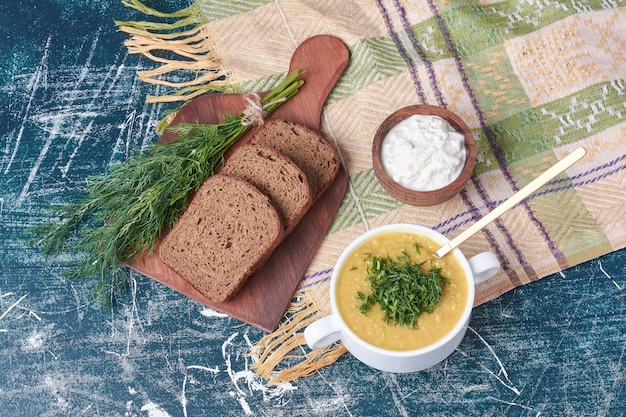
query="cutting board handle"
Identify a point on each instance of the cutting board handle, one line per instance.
(324, 57)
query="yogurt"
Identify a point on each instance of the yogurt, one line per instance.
(423, 153)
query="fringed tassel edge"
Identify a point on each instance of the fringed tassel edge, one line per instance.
(194, 50)
(275, 347)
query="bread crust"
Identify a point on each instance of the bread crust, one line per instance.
(317, 157)
(276, 176)
(228, 231)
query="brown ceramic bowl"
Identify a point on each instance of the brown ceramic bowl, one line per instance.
(424, 198)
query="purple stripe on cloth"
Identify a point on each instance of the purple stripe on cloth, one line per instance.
(317, 277)
(504, 263)
(558, 255)
(420, 51)
(579, 180)
(403, 52)
(575, 179)
(455, 221)
(490, 205)
(308, 283)
(584, 178)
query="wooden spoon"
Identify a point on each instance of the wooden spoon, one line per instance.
(533, 186)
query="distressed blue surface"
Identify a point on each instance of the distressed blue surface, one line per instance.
(70, 104)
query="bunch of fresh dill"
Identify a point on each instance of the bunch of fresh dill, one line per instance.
(401, 288)
(122, 213)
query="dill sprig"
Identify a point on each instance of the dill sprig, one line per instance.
(401, 288)
(122, 213)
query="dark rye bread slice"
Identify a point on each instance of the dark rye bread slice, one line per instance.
(228, 231)
(274, 175)
(317, 158)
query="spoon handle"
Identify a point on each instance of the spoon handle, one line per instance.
(533, 186)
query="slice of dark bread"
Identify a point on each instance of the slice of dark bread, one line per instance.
(317, 158)
(276, 176)
(228, 231)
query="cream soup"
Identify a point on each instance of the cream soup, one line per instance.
(371, 327)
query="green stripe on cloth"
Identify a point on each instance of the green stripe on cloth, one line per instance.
(364, 200)
(371, 60)
(570, 226)
(561, 211)
(493, 81)
(584, 113)
(505, 20)
(472, 29)
(520, 136)
(568, 120)
(221, 9)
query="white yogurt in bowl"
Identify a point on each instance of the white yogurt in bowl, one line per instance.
(423, 153)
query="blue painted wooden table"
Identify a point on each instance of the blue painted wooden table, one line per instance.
(71, 104)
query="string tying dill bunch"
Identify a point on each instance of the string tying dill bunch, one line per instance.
(255, 112)
(402, 288)
(122, 213)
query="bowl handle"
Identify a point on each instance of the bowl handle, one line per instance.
(484, 266)
(322, 332)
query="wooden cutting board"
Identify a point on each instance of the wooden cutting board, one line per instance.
(264, 299)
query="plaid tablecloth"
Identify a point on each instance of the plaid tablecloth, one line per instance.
(534, 80)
